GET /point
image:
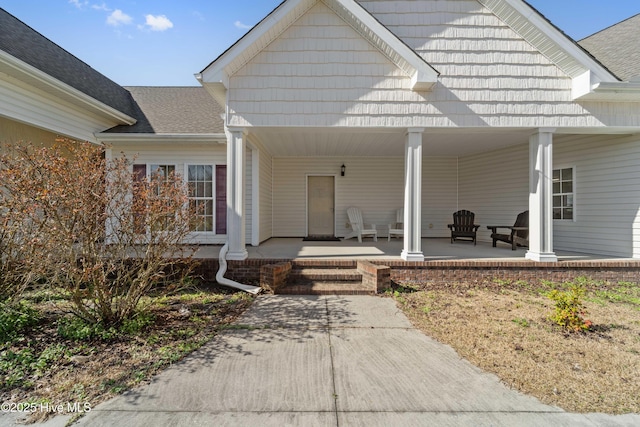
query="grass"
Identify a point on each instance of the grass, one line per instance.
(56, 359)
(504, 328)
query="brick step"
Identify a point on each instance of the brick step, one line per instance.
(325, 274)
(326, 288)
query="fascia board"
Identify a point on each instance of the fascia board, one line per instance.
(613, 92)
(44, 81)
(422, 74)
(216, 71)
(215, 138)
(562, 41)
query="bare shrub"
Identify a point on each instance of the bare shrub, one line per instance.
(100, 234)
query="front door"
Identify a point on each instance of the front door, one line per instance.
(320, 206)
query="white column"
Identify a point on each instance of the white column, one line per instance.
(236, 161)
(412, 250)
(541, 197)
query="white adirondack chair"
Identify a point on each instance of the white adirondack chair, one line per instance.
(359, 227)
(396, 229)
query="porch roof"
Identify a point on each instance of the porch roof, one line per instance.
(435, 249)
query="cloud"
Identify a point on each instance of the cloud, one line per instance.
(118, 18)
(79, 4)
(158, 23)
(100, 7)
(242, 26)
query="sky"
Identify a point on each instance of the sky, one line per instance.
(166, 42)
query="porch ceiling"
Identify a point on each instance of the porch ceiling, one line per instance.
(342, 142)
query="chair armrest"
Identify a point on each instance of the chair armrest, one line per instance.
(494, 228)
(519, 228)
(475, 227)
(450, 226)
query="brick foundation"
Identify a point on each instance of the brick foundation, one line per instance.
(274, 276)
(436, 272)
(376, 276)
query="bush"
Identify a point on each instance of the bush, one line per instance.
(15, 319)
(569, 310)
(103, 235)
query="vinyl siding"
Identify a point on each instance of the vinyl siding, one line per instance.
(321, 72)
(375, 185)
(43, 110)
(495, 186)
(12, 132)
(607, 195)
(266, 196)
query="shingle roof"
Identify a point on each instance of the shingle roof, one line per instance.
(618, 47)
(174, 110)
(24, 43)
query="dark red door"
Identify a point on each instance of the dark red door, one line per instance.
(221, 199)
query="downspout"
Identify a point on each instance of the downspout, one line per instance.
(228, 282)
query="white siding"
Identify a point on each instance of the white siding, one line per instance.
(178, 154)
(607, 192)
(495, 186)
(26, 104)
(321, 72)
(266, 196)
(439, 194)
(373, 184)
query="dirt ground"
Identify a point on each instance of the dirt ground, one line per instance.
(504, 328)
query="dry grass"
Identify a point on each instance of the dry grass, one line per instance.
(504, 328)
(96, 369)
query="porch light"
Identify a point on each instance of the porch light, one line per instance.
(342, 169)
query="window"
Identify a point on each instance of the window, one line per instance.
(200, 181)
(563, 196)
(163, 173)
(142, 174)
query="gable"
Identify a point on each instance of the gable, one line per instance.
(321, 71)
(215, 76)
(321, 59)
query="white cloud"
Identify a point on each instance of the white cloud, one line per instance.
(158, 23)
(100, 7)
(242, 26)
(79, 4)
(118, 18)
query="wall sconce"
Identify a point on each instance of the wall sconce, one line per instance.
(342, 169)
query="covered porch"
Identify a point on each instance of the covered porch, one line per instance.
(435, 249)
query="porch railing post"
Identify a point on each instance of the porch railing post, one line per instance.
(236, 161)
(412, 250)
(541, 197)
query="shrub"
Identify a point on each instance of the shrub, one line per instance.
(15, 319)
(103, 235)
(569, 310)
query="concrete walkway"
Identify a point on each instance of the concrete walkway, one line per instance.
(330, 361)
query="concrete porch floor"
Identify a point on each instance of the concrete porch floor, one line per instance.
(435, 249)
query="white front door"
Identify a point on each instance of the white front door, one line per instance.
(320, 206)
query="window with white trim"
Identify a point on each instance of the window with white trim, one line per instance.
(201, 196)
(563, 194)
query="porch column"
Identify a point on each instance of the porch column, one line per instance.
(541, 197)
(236, 161)
(412, 250)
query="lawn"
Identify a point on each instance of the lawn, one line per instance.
(504, 328)
(56, 360)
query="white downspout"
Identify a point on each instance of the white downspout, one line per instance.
(228, 282)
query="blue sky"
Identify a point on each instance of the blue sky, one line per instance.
(165, 42)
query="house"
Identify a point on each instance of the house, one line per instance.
(430, 105)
